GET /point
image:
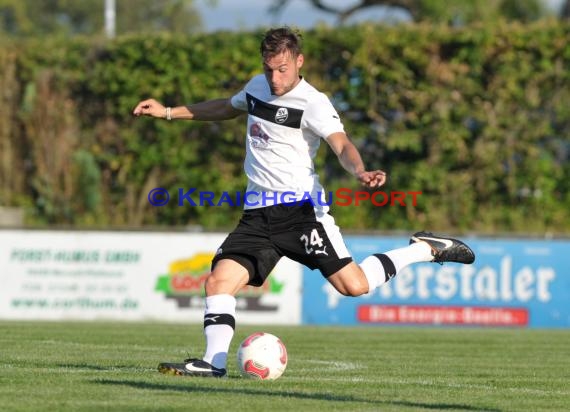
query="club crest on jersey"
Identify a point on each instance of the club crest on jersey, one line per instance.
(281, 115)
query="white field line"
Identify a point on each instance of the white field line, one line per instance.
(334, 365)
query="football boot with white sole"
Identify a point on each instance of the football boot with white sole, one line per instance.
(445, 249)
(191, 367)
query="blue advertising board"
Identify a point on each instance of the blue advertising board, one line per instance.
(513, 282)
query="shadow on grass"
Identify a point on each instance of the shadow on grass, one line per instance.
(88, 367)
(285, 394)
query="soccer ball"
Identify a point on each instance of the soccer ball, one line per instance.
(262, 356)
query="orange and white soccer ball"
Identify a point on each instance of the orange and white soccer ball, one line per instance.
(262, 356)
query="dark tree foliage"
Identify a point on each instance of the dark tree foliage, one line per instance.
(477, 119)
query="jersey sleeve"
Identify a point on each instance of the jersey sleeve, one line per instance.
(239, 101)
(322, 118)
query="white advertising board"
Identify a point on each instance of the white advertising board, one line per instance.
(78, 275)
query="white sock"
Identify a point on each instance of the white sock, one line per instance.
(382, 267)
(219, 325)
(414, 253)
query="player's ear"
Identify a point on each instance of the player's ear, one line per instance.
(300, 61)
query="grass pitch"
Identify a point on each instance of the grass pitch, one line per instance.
(71, 366)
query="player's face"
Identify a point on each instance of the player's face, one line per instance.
(282, 72)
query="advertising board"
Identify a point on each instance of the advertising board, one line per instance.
(54, 275)
(513, 282)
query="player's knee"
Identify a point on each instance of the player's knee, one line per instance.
(351, 281)
(220, 282)
(355, 288)
(211, 285)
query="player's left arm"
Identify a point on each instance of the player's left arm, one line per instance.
(351, 161)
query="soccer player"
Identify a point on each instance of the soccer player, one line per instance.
(286, 120)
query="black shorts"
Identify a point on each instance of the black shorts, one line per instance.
(298, 231)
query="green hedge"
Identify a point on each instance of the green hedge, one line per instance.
(477, 119)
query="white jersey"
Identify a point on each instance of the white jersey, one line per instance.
(283, 136)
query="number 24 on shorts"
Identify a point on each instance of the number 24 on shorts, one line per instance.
(313, 239)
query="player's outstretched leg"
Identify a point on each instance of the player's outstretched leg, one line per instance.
(445, 249)
(191, 367)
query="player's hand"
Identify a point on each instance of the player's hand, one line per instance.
(370, 180)
(150, 107)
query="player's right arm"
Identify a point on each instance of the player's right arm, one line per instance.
(217, 109)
